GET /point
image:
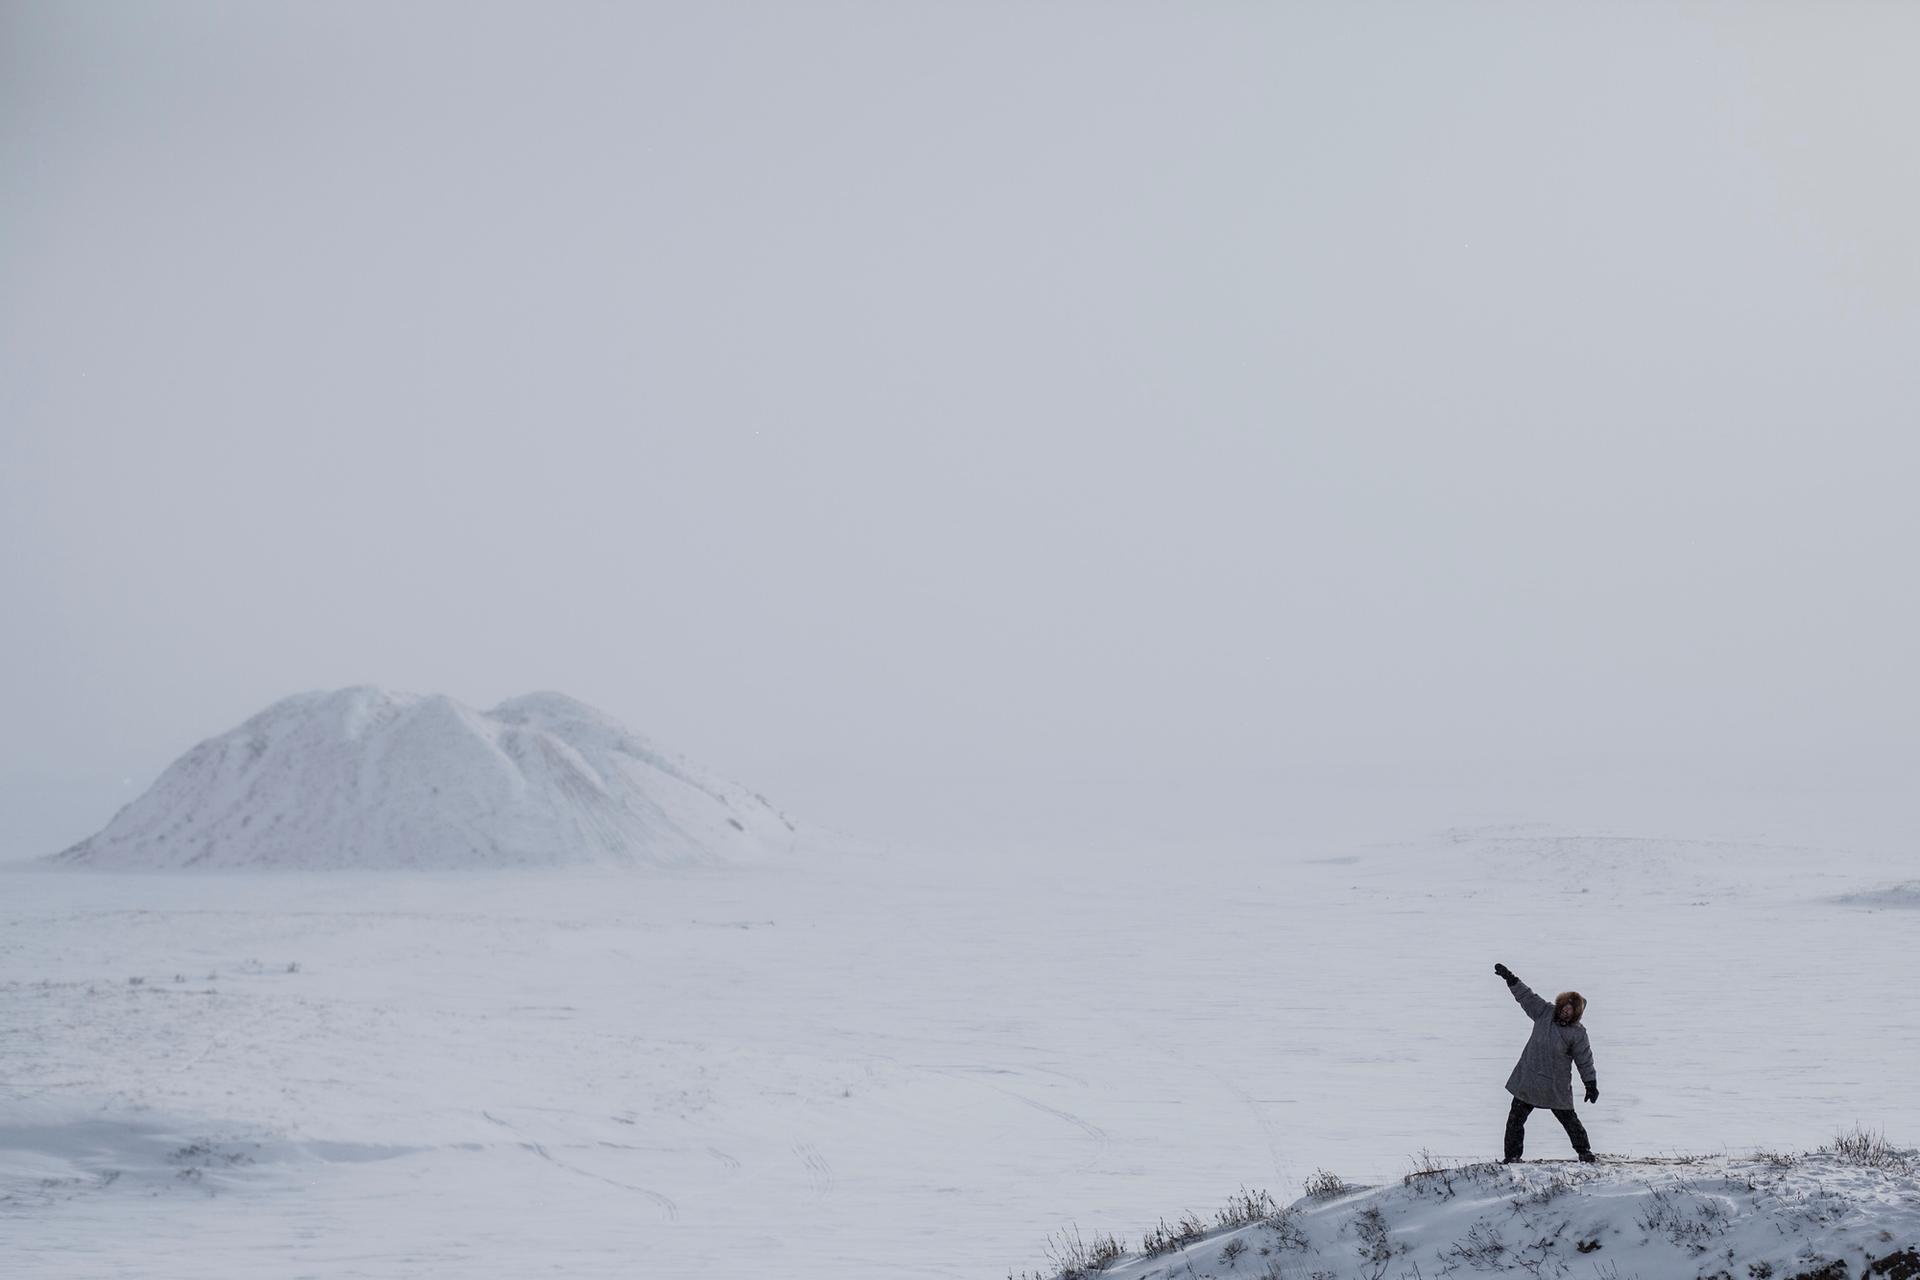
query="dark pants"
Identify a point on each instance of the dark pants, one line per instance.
(1517, 1128)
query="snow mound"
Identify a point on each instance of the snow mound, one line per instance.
(1893, 895)
(1812, 1217)
(53, 1153)
(368, 778)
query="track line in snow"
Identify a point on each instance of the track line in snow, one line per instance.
(665, 1202)
(1101, 1139)
(819, 1172)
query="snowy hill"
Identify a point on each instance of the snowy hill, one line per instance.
(363, 777)
(1829, 1215)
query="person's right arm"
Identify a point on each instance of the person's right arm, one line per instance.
(1530, 1002)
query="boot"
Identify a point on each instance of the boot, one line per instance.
(1587, 1157)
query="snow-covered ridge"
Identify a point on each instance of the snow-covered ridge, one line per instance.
(1820, 1216)
(365, 777)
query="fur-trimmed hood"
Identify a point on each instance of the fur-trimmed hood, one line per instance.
(1579, 1005)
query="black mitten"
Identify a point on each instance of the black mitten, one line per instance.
(1593, 1093)
(1505, 972)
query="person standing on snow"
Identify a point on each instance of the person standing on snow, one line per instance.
(1544, 1077)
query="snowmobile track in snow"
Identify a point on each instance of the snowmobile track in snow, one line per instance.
(819, 1172)
(665, 1202)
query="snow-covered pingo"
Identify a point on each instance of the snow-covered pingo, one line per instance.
(364, 777)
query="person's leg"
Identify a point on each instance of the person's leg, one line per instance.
(1576, 1132)
(1517, 1127)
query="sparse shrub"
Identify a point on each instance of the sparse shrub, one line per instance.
(1481, 1248)
(1230, 1256)
(1430, 1176)
(1074, 1258)
(1778, 1159)
(1165, 1239)
(1106, 1252)
(1552, 1188)
(1287, 1232)
(1375, 1249)
(1246, 1208)
(1870, 1148)
(1325, 1185)
(293, 966)
(1684, 1217)
(136, 982)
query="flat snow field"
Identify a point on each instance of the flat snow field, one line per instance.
(883, 1065)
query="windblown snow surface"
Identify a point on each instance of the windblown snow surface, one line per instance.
(363, 777)
(863, 1063)
(1893, 895)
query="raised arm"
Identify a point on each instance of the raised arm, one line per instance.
(1530, 1002)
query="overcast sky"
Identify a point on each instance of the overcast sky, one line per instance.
(883, 400)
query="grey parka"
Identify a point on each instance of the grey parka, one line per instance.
(1543, 1077)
